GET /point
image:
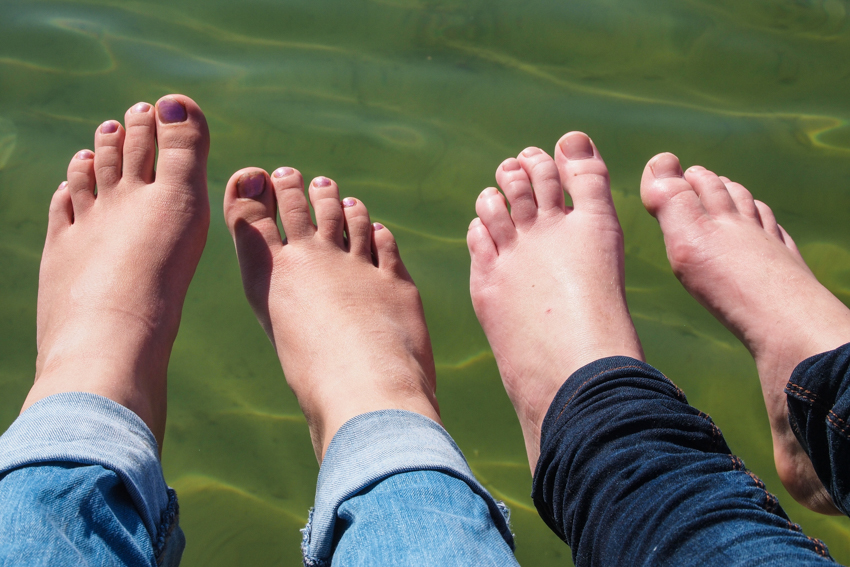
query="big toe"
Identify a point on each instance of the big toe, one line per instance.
(666, 194)
(184, 142)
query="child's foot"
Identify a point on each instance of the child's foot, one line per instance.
(335, 300)
(547, 280)
(122, 245)
(730, 254)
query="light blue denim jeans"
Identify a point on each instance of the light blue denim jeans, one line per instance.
(81, 484)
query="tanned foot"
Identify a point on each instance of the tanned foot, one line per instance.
(123, 242)
(730, 254)
(547, 280)
(334, 298)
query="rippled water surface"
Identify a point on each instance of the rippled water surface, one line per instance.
(410, 105)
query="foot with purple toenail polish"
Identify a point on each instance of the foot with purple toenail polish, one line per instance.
(122, 245)
(334, 298)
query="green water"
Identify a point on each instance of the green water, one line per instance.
(410, 105)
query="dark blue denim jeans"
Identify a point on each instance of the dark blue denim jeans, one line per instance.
(630, 474)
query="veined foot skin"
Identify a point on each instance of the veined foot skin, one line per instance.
(123, 242)
(547, 280)
(334, 298)
(731, 255)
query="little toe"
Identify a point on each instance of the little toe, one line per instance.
(108, 149)
(61, 213)
(543, 173)
(482, 249)
(584, 173)
(666, 194)
(183, 140)
(742, 198)
(768, 220)
(292, 204)
(358, 228)
(324, 196)
(140, 143)
(493, 212)
(385, 252)
(81, 181)
(513, 180)
(249, 210)
(711, 190)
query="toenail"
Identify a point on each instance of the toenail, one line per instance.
(321, 182)
(108, 127)
(251, 185)
(511, 165)
(528, 152)
(84, 154)
(665, 166)
(140, 107)
(349, 202)
(283, 171)
(170, 111)
(577, 146)
(63, 185)
(377, 226)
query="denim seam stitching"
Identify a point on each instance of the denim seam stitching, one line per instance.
(842, 429)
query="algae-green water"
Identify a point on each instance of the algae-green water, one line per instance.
(410, 105)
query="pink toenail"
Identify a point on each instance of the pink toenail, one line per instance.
(251, 185)
(528, 152)
(377, 226)
(665, 166)
(108, 127)
(84, 154)
(63, 185)
(349, 202)
(321, 182)
(283, 172)
(140, 107)
(511, 165)
(170, 111)
(577, 146)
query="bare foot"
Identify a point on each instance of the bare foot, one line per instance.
(547, 280)
(117, 264)
(732, 256)
(336, 301)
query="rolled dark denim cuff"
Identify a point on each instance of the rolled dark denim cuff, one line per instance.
(77, 427)
(819, 412)
(372, 447)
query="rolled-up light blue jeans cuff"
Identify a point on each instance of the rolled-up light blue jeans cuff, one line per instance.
(83, 428)
(377, 445)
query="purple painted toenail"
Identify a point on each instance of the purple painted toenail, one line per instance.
(377, 226)
(349, 202)
(170, 111)
(321, 182)
(108, 127)
(511, 165)
(577, 146)
(140, 107)
(84, 154)
(283, 171)
(251, 185)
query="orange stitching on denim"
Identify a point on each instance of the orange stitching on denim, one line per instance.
(841, 428)
(588, 380)
(792, 385)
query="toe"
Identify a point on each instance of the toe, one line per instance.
(665, 192)
(768, 220)
(385, 251)
(292, 204)
(711, 190)
(583, 173)
(742, 198)
(81, 181)
(358, 228)
(543, 173)
(324, 196)
(249, 210)
(140, 143)
(183, 140)
(61, 213)
(482, 249)
(493, 212)
(513, 180)
(108, 146)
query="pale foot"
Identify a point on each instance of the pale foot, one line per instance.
(117, 264)
(732, 256)
(547, 280)
(336, 301)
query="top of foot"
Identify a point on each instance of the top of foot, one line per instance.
(729, 252)
(123, 241)
(334, 298)
(547, 280)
